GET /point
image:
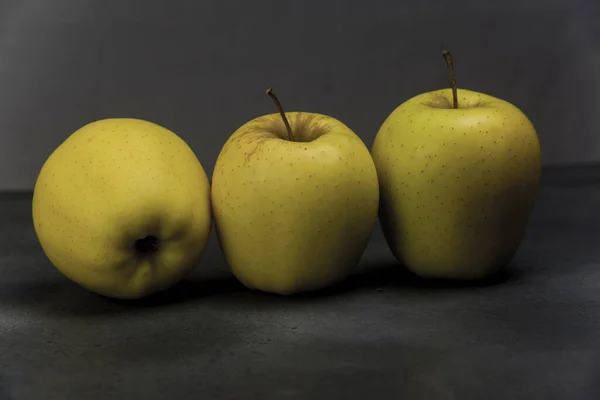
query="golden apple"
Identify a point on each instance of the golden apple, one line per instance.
(295, 198)
(122, 207)
(459, 173)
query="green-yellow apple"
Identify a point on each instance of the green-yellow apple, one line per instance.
(458, 172)
(122, 207)
(295, 198)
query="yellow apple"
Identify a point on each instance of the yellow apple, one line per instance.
(122, 207)
(457, 184)
(294, 208)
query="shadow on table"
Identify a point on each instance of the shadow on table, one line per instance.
(390, 275)
(65, 297)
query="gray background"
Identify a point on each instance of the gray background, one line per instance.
(200, 68)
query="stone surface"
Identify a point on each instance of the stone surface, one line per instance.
(529, 333)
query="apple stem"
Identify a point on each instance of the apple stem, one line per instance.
(282, 113)
(450, 65)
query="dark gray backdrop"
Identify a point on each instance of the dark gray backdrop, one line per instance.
(201, 67)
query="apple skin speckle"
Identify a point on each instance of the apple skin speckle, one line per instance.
(110, 183)
(283, 226)
(468, 180)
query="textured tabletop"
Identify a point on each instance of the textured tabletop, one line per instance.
(533, 332)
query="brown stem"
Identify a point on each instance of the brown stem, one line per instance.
(450, 65)
(282, 113)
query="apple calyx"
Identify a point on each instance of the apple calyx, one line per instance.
(282, 113)
(146, 245)
(450, 65)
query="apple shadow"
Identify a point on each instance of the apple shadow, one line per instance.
(188, 289)
(65, 298)
(392, 275)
